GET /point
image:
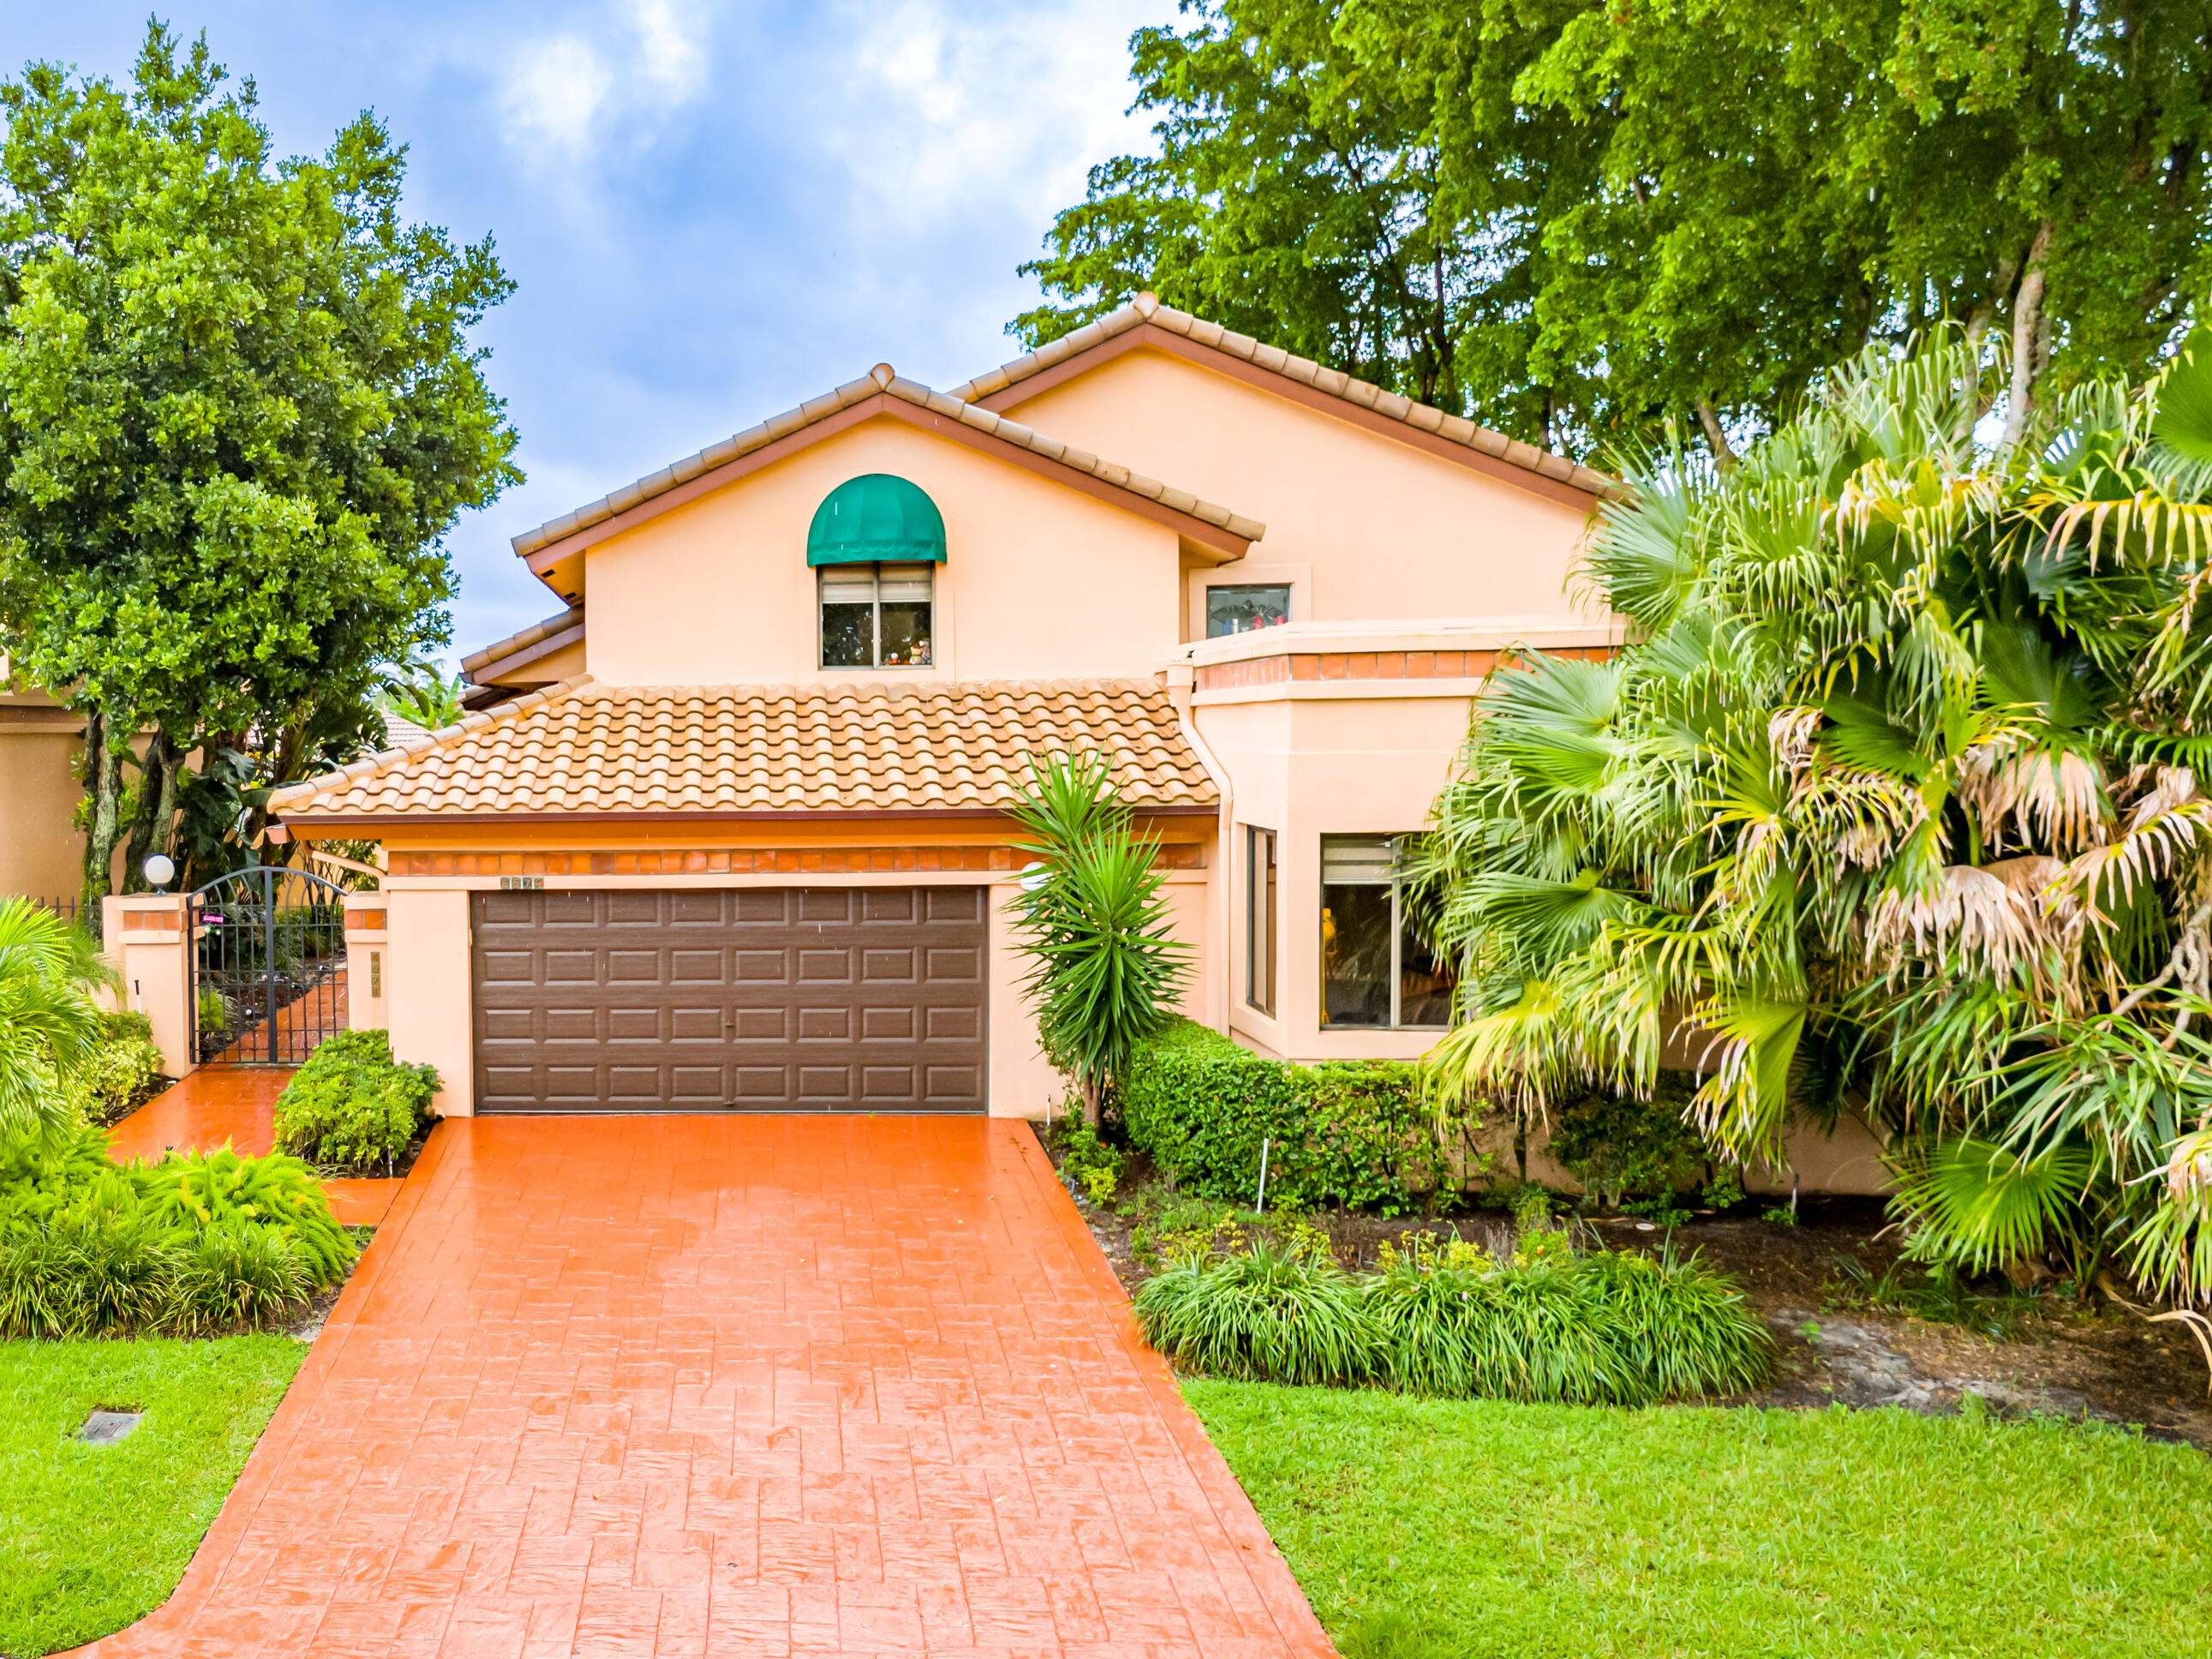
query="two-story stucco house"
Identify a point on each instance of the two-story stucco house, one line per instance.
(733, 834)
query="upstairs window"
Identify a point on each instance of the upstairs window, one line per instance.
(1377, 971)
(877, 616)
(875, 545)
(1242, 607)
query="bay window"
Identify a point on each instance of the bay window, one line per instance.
(1376, 970)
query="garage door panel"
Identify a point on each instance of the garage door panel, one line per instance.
(824, 904)
(761, 999)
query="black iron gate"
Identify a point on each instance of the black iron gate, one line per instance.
(268, 966)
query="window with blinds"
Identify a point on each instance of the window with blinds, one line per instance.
(1378, 970)
(877, 616)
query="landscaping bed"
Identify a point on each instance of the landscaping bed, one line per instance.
(1433, 1529)
(96, 1537)
(2062, 1358)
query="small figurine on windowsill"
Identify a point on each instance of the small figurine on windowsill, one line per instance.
(920, 659)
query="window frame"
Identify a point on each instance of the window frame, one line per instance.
(1396, 882)
(1261, 930)
(876, 664)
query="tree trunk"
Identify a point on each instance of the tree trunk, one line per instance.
(152, 823)
(104, 749)
(2031, 338)
(1090, 1098)
(1715, 439)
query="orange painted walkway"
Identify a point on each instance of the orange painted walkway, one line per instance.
(218, 1106)
(769, 1386)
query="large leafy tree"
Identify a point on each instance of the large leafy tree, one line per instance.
(1897, 799)
(238, 412)
(1580, 222)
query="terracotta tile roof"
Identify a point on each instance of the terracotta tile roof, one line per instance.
(1146, 308)
(881, 380)
(578, 747)
(522, 641)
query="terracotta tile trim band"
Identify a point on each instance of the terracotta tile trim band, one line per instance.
(739, 861)
(1371, 666)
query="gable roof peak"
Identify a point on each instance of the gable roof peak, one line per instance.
(1146, 311)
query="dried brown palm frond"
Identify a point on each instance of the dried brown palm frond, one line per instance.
(2054, 796)
(1791, 732)
(2147, 851)
(2168, 786)
(1967, 912)
(1860, 818)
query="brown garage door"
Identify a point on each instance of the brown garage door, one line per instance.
(770, 1000)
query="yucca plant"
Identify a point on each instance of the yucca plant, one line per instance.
(1268, 1314)
(1105, 967)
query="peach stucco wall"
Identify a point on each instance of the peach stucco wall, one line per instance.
(1307, 767)
(41, 853)
(427, 997)
(1379, 528)
(1041, 580)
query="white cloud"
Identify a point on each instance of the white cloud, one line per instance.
(630, 68)
(948, 108)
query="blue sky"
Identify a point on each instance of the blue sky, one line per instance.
(713, 209)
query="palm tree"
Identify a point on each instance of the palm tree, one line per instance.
(49, 1023)
(1894, 799)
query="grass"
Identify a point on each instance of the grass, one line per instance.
(1427, 1529)
(94, 1537)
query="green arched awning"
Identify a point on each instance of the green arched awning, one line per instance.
(876, 517)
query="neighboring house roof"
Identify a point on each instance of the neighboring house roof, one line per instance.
(882, 391)
(400, 733)
(518, 648)
(1146, 321)
(580, 750)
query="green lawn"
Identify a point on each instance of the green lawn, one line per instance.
(93, 1537)
(1435, 1529)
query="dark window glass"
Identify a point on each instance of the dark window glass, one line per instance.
(1355, 955)
(877, 616)
(1240, 608)
(1259, 919)
(1375, 969)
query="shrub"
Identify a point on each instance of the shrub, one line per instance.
(1270, 1315)
(205, 1190)
(1619, 1147)
(352, 1104)
(119, 1066)
(88, 1248)
(1089, 1160)
(1357, 1132)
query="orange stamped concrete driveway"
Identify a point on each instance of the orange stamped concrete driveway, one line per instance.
(744, 1386)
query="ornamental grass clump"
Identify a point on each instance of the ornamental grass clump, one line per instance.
(1272, 1313)
(1681, 1329)
(1445, 1319)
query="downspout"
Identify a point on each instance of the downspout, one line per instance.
(1182, 680)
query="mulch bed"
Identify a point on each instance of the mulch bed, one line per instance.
(2070, 1359)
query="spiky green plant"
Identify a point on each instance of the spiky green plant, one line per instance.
(1105, 966)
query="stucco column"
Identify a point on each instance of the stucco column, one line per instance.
(368, 941)
(151, 947)
(427, 992)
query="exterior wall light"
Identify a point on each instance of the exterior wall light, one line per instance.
(159, 872)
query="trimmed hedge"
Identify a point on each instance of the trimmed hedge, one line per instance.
(1355, 1133)
(352, 1104)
